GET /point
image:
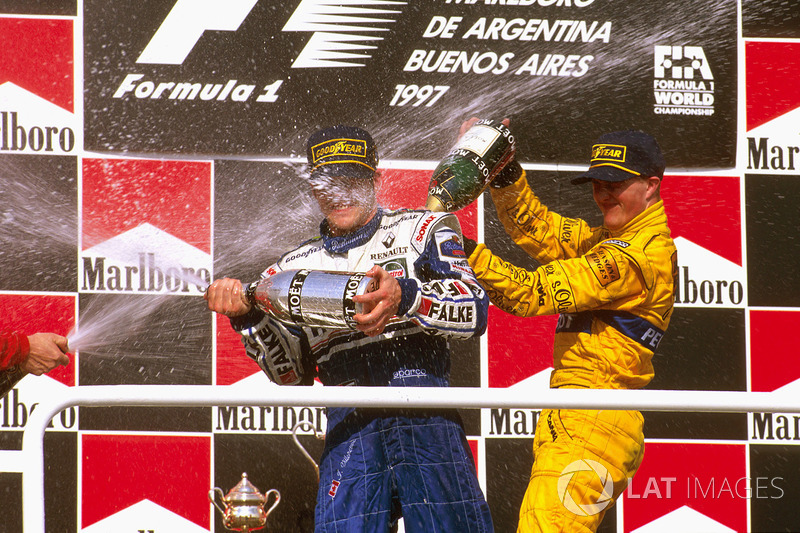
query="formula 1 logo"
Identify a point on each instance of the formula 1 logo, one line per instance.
(337, 38)
(683, 82)
(334, 43)
(187, 22)
(603, 500)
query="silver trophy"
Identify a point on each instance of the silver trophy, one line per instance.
(244, 505)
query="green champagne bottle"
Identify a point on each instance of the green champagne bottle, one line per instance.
(474, 161)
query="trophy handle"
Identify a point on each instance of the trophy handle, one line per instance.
(211, 496)
(302, 449)
(277, 500)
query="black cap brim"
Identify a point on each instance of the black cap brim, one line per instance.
(603, 173)
(350, 170)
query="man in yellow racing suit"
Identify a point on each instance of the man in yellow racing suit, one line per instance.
(612, 287)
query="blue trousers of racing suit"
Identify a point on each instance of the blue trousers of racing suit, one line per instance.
(379, 464)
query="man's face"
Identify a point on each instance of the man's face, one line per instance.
(347, 203)
(621, 201)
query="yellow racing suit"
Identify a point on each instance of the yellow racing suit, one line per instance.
(613, 292)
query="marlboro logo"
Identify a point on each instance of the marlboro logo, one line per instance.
(146, 226)
(144, 260)
(27, 134)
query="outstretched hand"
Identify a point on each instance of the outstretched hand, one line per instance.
(47, 352)
(226, 297)
(380, 305)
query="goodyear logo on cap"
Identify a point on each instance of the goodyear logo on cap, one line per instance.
(338, 147)
(608, 152)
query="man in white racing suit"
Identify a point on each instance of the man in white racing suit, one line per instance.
(378, 464)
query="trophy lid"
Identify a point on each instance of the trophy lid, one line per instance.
(244, 493)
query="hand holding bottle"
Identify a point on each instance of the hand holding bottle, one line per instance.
(226, 296)
(483, 148)
(380, 305)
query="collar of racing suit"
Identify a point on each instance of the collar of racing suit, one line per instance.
(341, 244)
(652, 217)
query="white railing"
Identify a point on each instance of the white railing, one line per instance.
(30, 460)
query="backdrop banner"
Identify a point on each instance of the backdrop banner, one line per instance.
(255, 78)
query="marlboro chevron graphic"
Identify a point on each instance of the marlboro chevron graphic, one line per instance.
(146, 227)
(37, 88)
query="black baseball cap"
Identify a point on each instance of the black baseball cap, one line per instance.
(342, 151)
(620, 155)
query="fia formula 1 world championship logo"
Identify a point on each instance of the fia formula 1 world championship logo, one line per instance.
(683, 82)
(603, 500)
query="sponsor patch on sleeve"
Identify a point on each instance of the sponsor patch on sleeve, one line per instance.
(334, 488)
(528, 222)
(617, 242)
(451, 246)
(396, 268)
(603, 265)
(568, 232)
(559, 287)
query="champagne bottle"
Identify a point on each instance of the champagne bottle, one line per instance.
(311, 297)
(473, 162)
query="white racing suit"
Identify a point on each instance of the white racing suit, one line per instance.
(379, 464)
